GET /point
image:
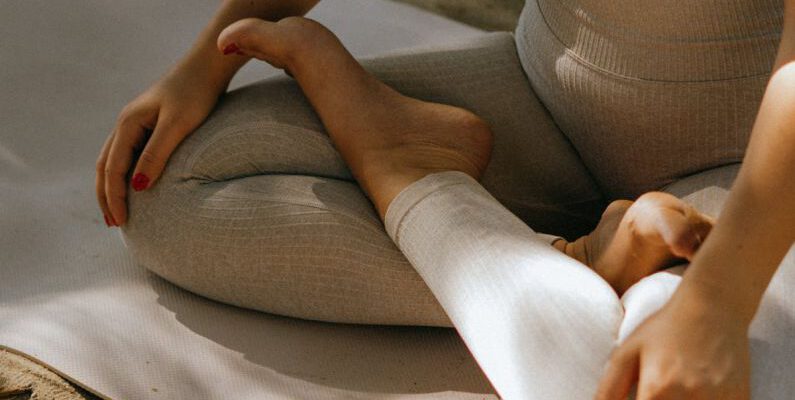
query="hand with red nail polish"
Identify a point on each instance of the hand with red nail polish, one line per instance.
(152, 125)
(168, 111)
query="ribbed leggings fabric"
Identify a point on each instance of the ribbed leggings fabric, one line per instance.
(257, 209)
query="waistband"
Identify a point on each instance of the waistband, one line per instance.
(650, 42)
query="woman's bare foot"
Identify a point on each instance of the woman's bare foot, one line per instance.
(388, 140)
(636, 239)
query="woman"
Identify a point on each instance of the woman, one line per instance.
(571, 58)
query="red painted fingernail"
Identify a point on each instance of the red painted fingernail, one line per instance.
(106, 220)
(230, 48)
(140, 182)
(113, 221)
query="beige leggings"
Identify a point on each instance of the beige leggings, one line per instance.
(257, 209)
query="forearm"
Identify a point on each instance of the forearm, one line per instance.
(205, 55)
(757, 225)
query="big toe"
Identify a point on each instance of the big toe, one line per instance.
(255, 38)
(277, 43)
(681, 226)
(692, 227)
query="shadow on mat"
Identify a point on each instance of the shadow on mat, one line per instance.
(362, 358)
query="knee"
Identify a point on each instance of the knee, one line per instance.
(151, 225)
(164, 234)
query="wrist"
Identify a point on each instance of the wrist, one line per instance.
(712, 298)
(216, 69)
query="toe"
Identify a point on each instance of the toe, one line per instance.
(277, 43)
(683, 230)
(701, 224)
(662, 216)
(256, 38)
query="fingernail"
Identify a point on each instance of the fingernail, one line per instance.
(113, 221)
(106, 220)
(140, 182)
(230, 48)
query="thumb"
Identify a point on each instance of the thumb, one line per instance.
(167, 135)
(621, 373)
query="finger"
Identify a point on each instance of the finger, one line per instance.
(168, 134)
(652, 385)
(99, 182)
(621, 372)
(128, 135)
